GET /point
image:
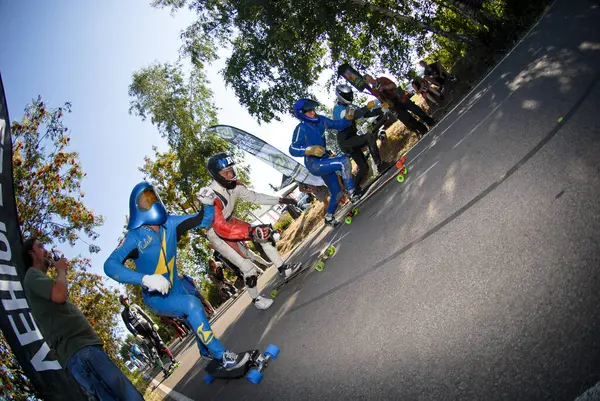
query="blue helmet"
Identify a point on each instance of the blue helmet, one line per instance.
(145, 207)
(217, 163)
(304, 105)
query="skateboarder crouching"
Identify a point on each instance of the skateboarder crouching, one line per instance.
(226, 230)
(348, 139)
(151, 243)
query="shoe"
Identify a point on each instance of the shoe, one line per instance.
(356, 195)
(287, 269)
(330, 221)
(262, 303)
(231, 360)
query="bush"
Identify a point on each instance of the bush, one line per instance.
(284, 222)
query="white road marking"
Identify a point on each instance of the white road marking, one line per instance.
(170, 392)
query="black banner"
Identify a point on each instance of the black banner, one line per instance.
(38, 361)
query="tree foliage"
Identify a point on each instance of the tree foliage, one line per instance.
(281, 49)
(48, 178)
(50, 205)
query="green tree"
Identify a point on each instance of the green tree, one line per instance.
(181, 107)
(281, 49)
(50, 205)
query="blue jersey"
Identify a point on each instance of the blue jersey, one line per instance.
(310, 134)
(154, 252)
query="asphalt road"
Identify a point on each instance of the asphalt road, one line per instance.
(476, 279)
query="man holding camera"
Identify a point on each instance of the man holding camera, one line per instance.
(67, 330)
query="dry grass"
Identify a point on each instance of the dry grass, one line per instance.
(399, 141)
(308, 222)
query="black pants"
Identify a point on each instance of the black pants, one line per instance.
(409, 121)
(148, 332)
(353, 147)
(419, 112)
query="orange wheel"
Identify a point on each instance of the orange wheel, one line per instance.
(403, 159)
(399, 164)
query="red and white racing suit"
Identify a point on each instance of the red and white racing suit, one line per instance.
(226, 230)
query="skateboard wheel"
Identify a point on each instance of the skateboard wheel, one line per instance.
(272, 350)
(400, 178)
(320, 266)
(404, 170)
(209, 379)
(399, 164)
(331, 250)
(254, 376)
(355, 211)
(274, 294)
(348, 220)
(403, 159)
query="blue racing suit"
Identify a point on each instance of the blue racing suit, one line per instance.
(156, 253)
(310, 134)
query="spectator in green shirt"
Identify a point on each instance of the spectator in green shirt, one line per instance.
(67, 330)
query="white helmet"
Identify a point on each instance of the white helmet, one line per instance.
(344, 94)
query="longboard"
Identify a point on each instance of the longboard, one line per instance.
(400, 177)
(319, 266)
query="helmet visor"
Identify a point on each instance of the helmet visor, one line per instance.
(146, 199)
(309, 105)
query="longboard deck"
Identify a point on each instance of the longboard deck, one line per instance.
(370, 192)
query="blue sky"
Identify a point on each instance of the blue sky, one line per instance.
(85, 53)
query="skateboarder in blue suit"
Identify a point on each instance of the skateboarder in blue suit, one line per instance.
(151, 243)
(309, 141)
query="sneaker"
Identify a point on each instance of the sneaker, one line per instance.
(262, 303)
(330, 221)
(287, 269)
(356, 195)
(231, 360)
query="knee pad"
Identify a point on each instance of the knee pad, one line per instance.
(251, 281)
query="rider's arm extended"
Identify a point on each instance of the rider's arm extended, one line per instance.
(114, 266)
(201, 219)
(336, 124)
(255, 197)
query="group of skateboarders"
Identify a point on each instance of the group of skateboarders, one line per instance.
(153, 233)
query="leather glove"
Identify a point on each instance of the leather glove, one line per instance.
(156, 282)
(260, 233)
(385, 106)
(371, 104)
(206, 196)
(315, 150)
(139, 337)
(288, 201)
